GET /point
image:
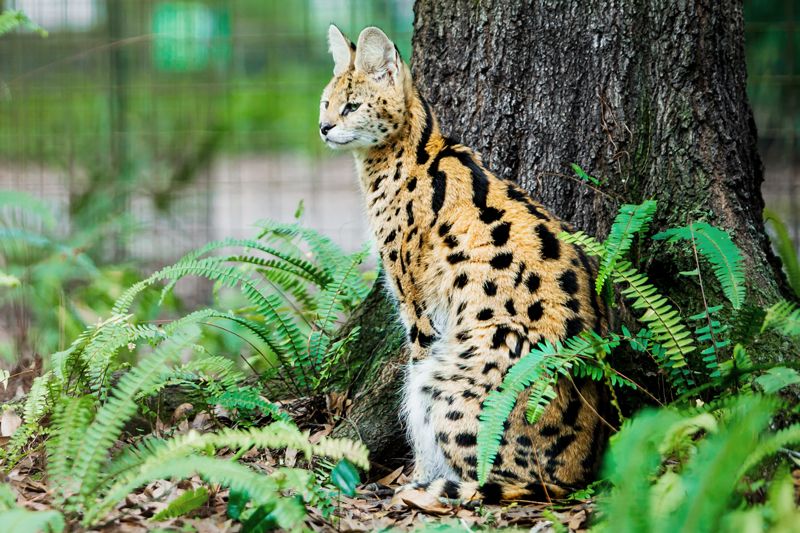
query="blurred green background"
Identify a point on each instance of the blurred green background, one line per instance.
(150, 127)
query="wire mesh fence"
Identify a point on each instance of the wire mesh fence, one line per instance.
(197, 118)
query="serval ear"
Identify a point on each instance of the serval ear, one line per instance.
(377, 56)
(342, 50)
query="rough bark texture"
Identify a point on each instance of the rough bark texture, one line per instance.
(374, 417)
(648, 95)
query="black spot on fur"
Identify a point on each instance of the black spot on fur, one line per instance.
(468, 353)
(461, 281)
(549, 431)
(520, 272)
(560, 445)
(500, 233)
(412, 184)
(444, 229)
(485, 314)
(451, 489)
(492, 493)
(389, 238)
(510, 309)
(533, 282)
(574, 327)
(466, 440)
(489, 366)
(442, 437)
(502, 261)
(535, 311)
(439, 185)
(456, 258)
(425, 340)
(551, 248)
(570, 416)
(393, 255)
(574, 305)
(454, 415)
(499, 337)
(422, 154)
(522, 440)
(568, 282)
(490, 288)
(451, 241)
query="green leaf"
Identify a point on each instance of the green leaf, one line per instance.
(345, 477)
(237, 501)
(7, 280)
(184, 504)
(583, 175)
(11, 20)
(23, 521)
(632, 219)
(777, 378)
(717, 247)
(785, 248)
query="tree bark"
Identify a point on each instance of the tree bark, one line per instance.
(648, 95)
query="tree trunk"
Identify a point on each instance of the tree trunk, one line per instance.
(648, 95)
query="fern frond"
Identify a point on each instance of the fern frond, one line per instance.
(111, 417)
(24, 520)
(70, 420)
(28, 205)
(592, 246)
(785, 248)
(632, 219)
(662, 319)
(543, 363)
(184, 504)
(714, 469)
(769, 446)
(711, 331)
(783, 316)
(718, 248)
(211, 268)
(261, 489)
(155, 458)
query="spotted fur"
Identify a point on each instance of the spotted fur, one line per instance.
(479, 277)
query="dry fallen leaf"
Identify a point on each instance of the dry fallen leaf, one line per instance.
(577, 520)
(182, 411)
(390, 478)
(424, 501)
(9, 422)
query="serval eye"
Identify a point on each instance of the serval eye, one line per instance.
(350, 107)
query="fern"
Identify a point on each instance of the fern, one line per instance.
(111, 417)
(786, 249)
(632, 219)
(711, 331)
(718, 248)
(13, 19)
(783, 316)
(152, 460)
(540, 368)
(24, 520)
(70, 421)
(184, 504)
(711, 462)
